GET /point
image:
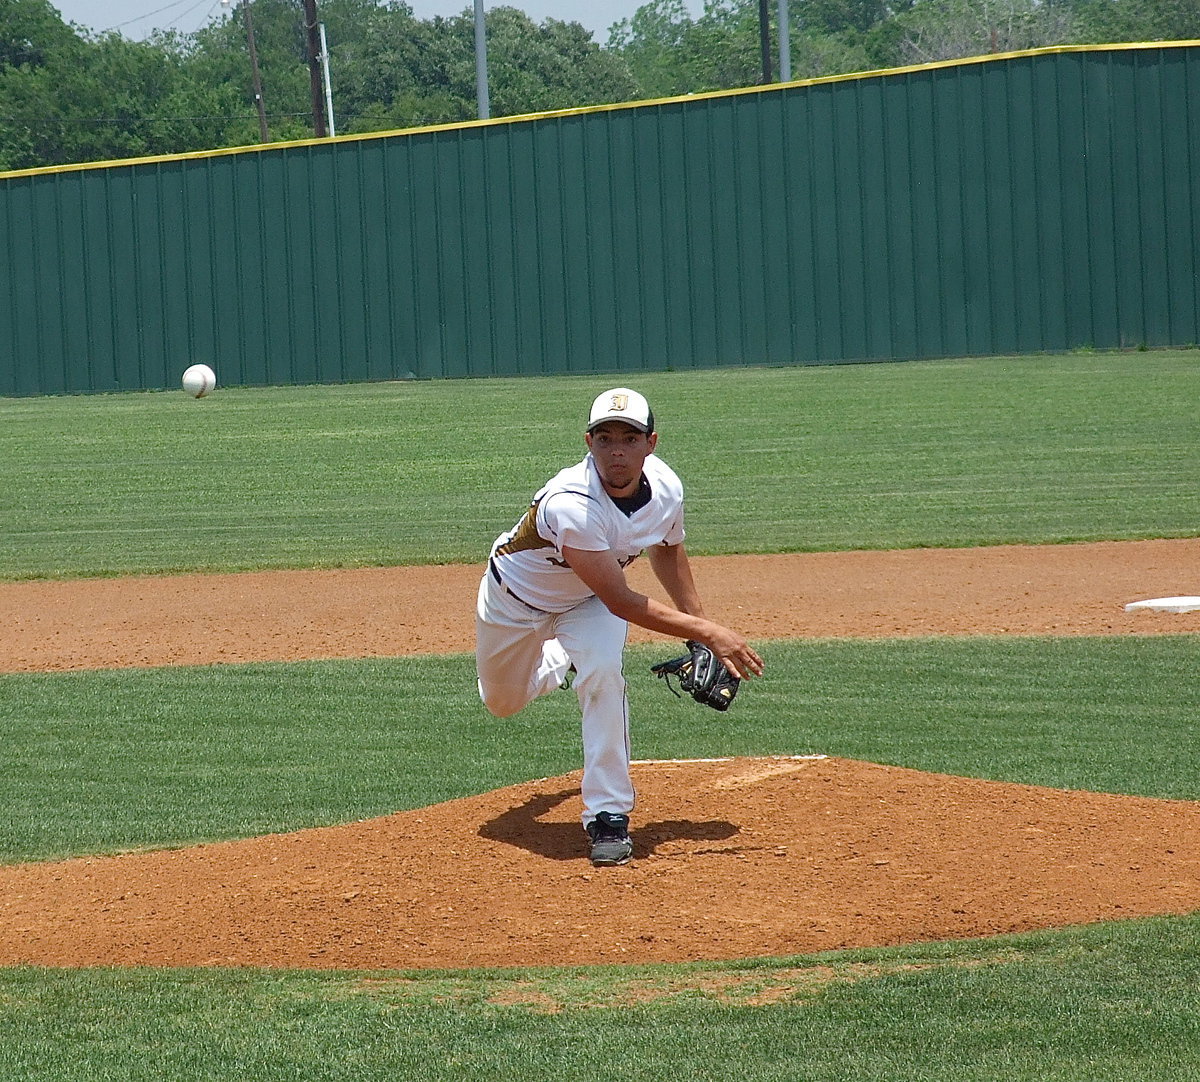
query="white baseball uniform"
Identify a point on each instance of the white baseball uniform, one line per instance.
(536, 618)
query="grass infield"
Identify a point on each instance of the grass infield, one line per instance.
(948, 453)
(121, 759)
(1104, 1002)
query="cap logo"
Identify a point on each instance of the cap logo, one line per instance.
(620, 402)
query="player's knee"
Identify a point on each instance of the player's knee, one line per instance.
(502, 702)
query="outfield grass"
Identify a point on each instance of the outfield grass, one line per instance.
(948, 453)
(1042, 449)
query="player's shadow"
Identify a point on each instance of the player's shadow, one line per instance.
(522, 826)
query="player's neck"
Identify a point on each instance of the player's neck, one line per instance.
(637, 499)
(624, 492)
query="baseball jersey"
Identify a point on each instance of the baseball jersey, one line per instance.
(573, 509)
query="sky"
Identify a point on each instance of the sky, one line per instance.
(137, 18)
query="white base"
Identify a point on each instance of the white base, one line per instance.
(729, 759)
(1165, 604)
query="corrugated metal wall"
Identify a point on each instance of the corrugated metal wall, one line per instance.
(1041, 201)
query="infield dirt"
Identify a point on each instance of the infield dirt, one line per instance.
(735, 858)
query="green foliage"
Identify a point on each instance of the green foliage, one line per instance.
(947, 29)
(31, 34)
(102, 99)
(69, 95)
(555, 65)
(395, 71)
(218, 56)
(407, 72)
(1138, 20)
(670, 52)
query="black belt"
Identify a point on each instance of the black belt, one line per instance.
(500, 582)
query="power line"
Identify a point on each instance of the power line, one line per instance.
(158, 11)
(133, 119)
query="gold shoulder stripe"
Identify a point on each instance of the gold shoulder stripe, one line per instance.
(525, 536)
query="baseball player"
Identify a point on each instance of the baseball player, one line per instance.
(554, 603)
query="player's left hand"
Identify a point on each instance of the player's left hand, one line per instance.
(701, 675)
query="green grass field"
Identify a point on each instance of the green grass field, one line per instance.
(949, 453)
(957, 453)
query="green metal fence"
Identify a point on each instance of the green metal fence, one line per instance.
(1037, 201)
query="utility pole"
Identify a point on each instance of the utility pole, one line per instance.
(482, 97)
(764, 35)
(255, 78)
(314, 66)
(328, 84)
(785, 44)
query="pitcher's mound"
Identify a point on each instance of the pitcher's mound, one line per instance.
(734, 858)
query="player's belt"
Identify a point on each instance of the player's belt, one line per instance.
(500, 582)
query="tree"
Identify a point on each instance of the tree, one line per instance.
(670, 53)
(391, 70)
(537, 67)
(217, 56)
(653, 43)
(1138, 20)
(405, 71)
(31, 32)
(949, 29)
(85, 100)
(68, 95)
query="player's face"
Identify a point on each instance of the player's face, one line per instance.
(619, 451)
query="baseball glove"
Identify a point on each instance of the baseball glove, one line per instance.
(700, 675)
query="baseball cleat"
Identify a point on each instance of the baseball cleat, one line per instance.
(611, 843)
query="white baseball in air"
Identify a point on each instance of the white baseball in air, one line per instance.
(199, 380)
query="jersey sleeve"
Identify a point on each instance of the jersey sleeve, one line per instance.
(669, 489)
(675, 532)
(572, 519)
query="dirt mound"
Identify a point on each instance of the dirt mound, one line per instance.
(735, 858)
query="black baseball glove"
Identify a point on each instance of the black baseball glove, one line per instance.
(701, 676)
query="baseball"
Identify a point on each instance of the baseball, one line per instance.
(199, 380)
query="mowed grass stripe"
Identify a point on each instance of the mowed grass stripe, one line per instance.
(1041, 449)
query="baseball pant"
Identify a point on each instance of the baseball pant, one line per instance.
(521, 653)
